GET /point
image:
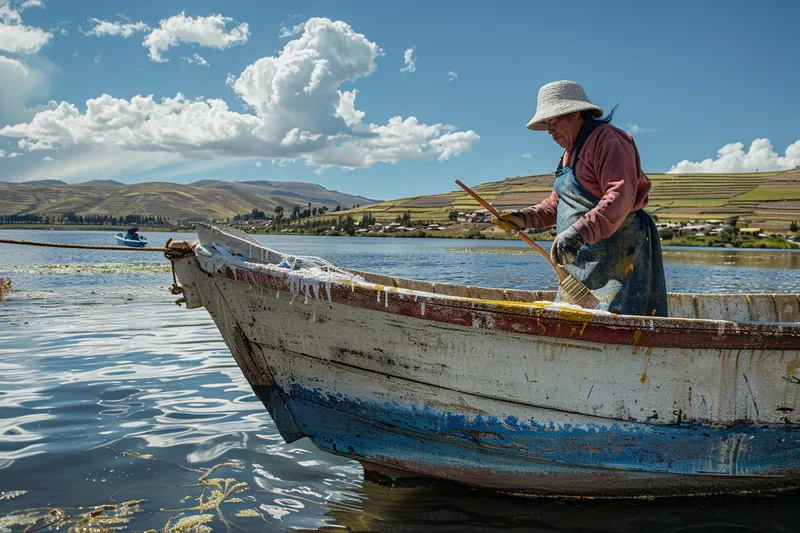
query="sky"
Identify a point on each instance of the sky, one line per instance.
(385, 99)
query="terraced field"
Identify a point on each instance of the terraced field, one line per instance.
(770, 200)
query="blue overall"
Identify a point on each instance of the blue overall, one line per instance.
(626, 270)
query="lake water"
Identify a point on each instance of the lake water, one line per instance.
(109, 392)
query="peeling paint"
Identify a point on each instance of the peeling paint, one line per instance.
(636, 336)
(647, 355)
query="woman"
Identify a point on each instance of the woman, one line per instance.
(604, 237)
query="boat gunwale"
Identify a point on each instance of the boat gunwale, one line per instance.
(550, 317)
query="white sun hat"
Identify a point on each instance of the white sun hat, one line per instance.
(560, 98)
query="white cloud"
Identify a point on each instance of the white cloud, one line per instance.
(410, 61)
(258, 164)
(21, 39)
(16, 37)
(12, 155)
(61, 29)
(2, 153)
(84, 163)
(204, 31)
(733, 158)
(97, 58)
(197, 59)
(346, 108)
(451, 75)
(635, 128)
(102, 28)
(31, 3)
(48, 158)
(298, 112)
(289, 32)
(526, 155)
(19, 82)
(8, 14)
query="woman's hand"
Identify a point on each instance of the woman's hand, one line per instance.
(565, 246)
(510, 221)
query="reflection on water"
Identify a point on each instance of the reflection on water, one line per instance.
(109, 392)
(750, 258)
(687, 269)
(458, 509)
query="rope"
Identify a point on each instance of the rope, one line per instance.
(173, 251)
(83, 246)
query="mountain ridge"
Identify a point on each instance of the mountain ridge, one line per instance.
(212, 200)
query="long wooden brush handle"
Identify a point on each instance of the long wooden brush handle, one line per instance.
(574, 289)
(560, 272)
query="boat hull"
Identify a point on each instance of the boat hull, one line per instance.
(501, 410)
(395, 453)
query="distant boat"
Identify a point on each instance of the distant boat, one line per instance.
(132, 238)
(507, 389)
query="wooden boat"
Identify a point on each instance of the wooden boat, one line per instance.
(131, 238)
(506, 389)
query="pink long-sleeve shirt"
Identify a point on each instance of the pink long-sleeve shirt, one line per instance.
(608, 167)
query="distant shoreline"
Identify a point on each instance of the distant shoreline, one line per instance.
(472, 234)
(84, 227)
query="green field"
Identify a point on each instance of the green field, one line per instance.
(757, 199)
(767, 194)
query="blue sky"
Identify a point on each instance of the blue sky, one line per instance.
(690, 78)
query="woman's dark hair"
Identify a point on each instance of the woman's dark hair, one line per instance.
(588, 115)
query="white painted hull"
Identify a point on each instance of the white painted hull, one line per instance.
(498, 408)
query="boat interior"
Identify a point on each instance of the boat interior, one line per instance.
(733, 307)
(764, 308)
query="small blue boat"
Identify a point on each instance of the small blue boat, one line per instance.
(132, 238)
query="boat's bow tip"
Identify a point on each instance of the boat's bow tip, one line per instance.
(179, 249)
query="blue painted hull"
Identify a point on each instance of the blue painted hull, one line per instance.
(613, 460)
(128, 242)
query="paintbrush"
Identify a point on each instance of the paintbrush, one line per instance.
(574, 289)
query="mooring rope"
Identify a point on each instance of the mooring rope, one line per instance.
(83, 246)
(173, 251)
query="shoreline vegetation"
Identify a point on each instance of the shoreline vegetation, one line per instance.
(478, 231)
(739, 210)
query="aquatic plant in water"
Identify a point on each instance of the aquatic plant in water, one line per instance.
(91, 269)
(115, 517)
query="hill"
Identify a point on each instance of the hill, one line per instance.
(286, 193)
(44, 183)
(205, 200)
(100, 182)
(770, 200)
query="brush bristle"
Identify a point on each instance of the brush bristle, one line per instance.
(578, 292)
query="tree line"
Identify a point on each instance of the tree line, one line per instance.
(280, 216)
(90, 220)
(297, 213)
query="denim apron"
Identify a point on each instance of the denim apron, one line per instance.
(626, 270)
